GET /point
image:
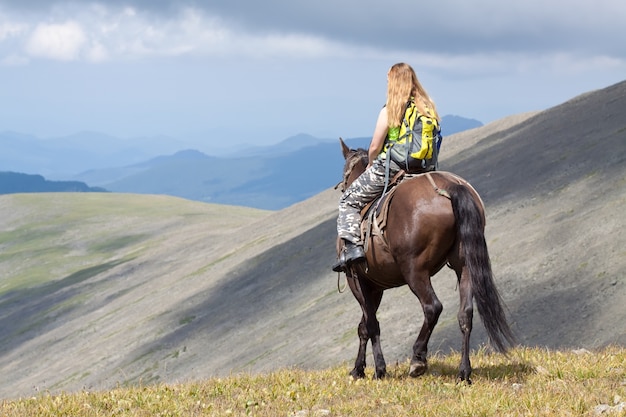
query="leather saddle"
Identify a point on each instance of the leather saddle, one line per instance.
(374, 214)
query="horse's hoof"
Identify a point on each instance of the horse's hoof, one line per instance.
(380, 374)
(417, 369)
(464, 376)
(460, 380)
(357, 374)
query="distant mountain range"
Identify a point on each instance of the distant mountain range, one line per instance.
(266, 177)
(13, 182)
(60, 158)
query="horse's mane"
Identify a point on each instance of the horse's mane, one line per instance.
(354, 157)
(361, 152)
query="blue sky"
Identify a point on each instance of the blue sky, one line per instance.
(226, 71)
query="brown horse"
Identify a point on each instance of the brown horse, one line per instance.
(431, 222)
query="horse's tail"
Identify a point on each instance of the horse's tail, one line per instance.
(470, 231)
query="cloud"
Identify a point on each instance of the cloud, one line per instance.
(9, 30)
(99, 33)
(97, 53)
(453, 26)
(123, 29)
(62, 42)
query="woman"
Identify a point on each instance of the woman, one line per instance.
(402, 87)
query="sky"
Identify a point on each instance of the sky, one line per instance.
(225, 72)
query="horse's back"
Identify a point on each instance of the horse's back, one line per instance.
(419, 233)
(425, 215)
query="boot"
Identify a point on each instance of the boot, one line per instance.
(340, 264)
(351, 253)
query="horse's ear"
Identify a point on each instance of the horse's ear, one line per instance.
(344, 148)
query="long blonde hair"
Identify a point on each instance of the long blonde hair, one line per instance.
(402, 85)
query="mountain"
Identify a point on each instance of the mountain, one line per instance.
(13, 182)
(62, 157)
(107, 289)
(268, 178)
(160, 165)
(291, 144)
(452, 124)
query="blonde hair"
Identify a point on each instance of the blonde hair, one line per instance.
(401, 86)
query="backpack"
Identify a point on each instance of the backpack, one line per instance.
(417, 147)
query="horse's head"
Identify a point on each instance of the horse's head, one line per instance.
(356, 163)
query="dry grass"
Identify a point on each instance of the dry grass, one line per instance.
(529, 382)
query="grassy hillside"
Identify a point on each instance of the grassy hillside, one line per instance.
(99, 290)
(131, 286)
(57, 235)
(75, 277)
(533, 382)
(555, 188)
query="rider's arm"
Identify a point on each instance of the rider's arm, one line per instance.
(378, 139)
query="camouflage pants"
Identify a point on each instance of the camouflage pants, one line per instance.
(367, 187)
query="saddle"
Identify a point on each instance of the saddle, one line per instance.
(375, 213)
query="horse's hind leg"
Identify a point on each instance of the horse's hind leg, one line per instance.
(373, 328)
(432, 308)
(369, 328)
(465, 316)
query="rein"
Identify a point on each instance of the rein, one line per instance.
(340, 289)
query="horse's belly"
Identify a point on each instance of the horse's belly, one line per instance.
(386, 277)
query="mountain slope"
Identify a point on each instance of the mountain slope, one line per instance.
(101, 289)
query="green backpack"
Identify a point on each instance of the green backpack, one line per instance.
(417, 147)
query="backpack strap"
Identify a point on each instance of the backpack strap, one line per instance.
(387, 171)
(408, 132)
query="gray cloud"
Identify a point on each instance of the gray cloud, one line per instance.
(452, 26)
(447, 27)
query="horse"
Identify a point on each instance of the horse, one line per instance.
(434, 219)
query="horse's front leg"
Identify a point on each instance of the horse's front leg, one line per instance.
(359, 364)
(369, 329)
(465, 316)
(379, 360)
(373, 297)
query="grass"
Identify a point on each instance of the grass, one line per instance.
(529, 382)
(59, 234)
